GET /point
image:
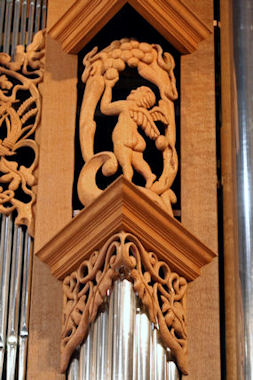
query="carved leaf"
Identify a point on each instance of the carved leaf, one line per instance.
(100, 292)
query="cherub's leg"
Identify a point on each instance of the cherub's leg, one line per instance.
(127, 170)
(124, 156)
(143, 168)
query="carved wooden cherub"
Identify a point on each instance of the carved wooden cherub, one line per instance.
(128, 144)
(101, 73)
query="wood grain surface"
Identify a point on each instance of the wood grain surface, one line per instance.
(234, 349)
(54, 204)
(172, 19)
(123, 206)
(198, 197)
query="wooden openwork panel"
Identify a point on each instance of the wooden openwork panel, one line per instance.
(139, 109)
(20, 110)
(161, 291)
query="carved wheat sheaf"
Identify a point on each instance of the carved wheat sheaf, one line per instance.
(161, 291)
(20, 109)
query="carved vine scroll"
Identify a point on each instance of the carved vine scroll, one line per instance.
(138, 110)
(20, 109)
(161, 291)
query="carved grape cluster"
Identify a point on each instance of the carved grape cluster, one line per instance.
(126, 51)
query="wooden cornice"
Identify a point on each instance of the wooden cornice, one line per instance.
(124, 207)
(173, 19)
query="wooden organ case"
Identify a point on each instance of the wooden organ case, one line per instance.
(125, 213)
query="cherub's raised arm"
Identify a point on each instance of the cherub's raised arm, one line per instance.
(106, 106)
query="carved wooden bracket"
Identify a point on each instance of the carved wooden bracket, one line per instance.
(123, 231)
(173, 19)
(20, 109)
(161, 291)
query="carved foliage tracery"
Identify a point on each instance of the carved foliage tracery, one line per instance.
(161, 291)
(20, 109)
(138, 110)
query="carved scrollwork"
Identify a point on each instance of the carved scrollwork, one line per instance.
(138, 110)
(161, 291)
(20, 109)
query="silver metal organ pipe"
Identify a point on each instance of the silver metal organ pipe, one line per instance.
(172, 371)
(115, 343)
(15, 30)
(15, 258)
(5, 259)
(2, 9)
(85, 357)
(44, 14)
(110, 333)
(37, 16)
(30, 22)
(93, 357)
(14, 300)
(99, 346)
(7, 27)
(124, 315)
(122, 343)
(25, 304)
(102, 341)
(159, 357)
(23, 23)
(142, 343)
(242, 11)
(73, 373)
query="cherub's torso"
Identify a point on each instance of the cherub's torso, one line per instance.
(126, 133)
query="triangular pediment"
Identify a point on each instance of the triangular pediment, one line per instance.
(171, 18)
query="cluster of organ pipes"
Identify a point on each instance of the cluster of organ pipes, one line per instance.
(15, 279)
(122, 343)
(19, 21)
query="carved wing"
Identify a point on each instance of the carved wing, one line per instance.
(158, 115)
(143, 119)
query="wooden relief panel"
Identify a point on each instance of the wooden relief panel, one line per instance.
(20, 109)
(140, 109)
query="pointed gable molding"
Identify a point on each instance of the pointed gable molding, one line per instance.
(171, 18)
(123, 207)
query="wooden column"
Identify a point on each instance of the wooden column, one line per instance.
(199, 197)
(54, 203)
(234, 343)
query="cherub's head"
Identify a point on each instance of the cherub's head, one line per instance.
(143, 96)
